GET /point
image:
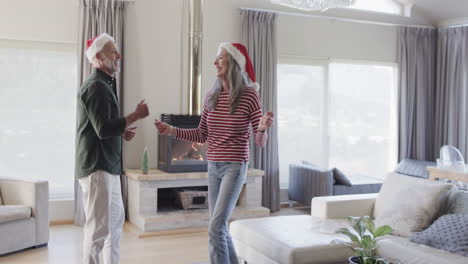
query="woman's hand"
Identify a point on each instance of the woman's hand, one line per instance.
(265, 122)
(164, 128)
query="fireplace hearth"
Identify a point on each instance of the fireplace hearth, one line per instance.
(153, 208)
(175, 155)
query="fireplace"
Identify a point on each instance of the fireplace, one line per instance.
(175, 155)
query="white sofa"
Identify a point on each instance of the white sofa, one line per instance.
(24, 214)
(307, 239)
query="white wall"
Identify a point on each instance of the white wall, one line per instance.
(61, 210)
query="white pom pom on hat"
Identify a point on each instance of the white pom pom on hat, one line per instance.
(241, 56)
(96, 44)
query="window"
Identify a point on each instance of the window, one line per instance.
(383, 6)
(337, 114)
(38, 109)
(362, 118)
(300, 88)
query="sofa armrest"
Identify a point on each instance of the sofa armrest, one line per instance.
(307, 182)
(34, 194)
(342, 206)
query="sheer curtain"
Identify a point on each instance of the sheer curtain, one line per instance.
(259, 36)
(416, 57)
(96, 17)
(452, 89)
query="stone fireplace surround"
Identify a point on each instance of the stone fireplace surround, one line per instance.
(143, 200)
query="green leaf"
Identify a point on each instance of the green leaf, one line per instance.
(359, 226)
(349, 234)
(349, 245)
(382, 231)
(366, 241)
(370, 225)
(353, 219)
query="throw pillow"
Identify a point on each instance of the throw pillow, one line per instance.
(340, 178)
(416, 168)
(448, 233)
(458, 203)
(409, 204)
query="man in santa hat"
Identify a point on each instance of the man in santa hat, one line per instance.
(98, 151)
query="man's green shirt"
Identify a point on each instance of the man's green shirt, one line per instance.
(100, 127)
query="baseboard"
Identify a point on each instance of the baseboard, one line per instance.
(292, 204)
(181, 231)
(61, 222)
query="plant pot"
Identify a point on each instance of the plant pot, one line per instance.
(354, 260)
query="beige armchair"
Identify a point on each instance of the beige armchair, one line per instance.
(24, 214)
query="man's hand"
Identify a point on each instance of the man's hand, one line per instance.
(140, 112)
(142, 109)
(129, 133)
(265, 122)
(164, 128)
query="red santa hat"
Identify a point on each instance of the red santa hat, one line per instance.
(95, 45)
(241, 56)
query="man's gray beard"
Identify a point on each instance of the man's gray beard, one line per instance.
(110, 66)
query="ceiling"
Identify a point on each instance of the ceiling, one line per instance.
(423, 12)
(440, 11)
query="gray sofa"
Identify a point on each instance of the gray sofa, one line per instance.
(24, 214)
(307, 181)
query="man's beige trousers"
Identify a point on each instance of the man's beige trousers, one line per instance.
(104, 212)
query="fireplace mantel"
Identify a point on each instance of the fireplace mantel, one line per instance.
(143, 200)
(157, 175)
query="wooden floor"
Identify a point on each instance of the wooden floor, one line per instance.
(65, 247)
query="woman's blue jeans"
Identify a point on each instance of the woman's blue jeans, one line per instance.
(225, 181)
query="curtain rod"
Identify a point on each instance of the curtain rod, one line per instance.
(454, 26)
(362, 21)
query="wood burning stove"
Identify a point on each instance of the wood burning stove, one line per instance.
(177, 155)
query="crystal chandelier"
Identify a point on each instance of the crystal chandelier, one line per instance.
(314, 5)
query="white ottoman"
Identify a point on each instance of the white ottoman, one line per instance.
(300, 239)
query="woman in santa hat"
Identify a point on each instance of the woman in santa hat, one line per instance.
(231, 111)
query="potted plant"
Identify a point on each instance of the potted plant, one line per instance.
(364, 236)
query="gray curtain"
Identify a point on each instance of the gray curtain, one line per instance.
(452, 89)
(259, 36)
(416, 57)
(96, 17)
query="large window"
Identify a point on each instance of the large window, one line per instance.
(337, 114)
(300, 88)
(38, 109)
